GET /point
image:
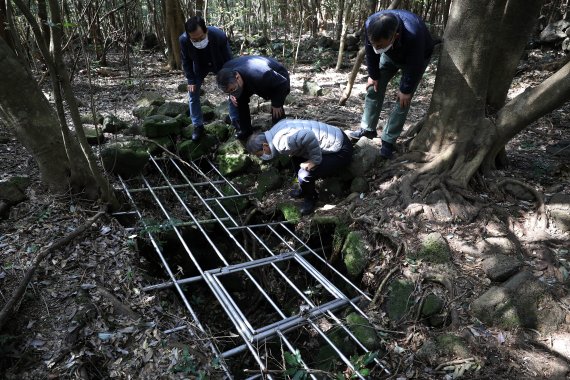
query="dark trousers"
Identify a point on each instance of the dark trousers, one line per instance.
(329, 167)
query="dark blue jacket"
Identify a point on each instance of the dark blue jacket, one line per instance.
(197, 63)
(262, 76)
(411, 50)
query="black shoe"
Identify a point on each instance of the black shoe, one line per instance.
(386, 150)
(308, 206)
(197, 132)
(296, 193)
(362, 132)
(242, 134)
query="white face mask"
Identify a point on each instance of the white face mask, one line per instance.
(266, 157)
(383, 50)
(202, 44)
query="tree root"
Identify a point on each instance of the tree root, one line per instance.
(20, 290)
(541, 209)
(440, 279)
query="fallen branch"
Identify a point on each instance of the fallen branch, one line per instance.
(20, 290)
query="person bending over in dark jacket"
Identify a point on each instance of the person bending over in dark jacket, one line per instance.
(394, 40)
(244, 76)
(317, 150)
(203, 50)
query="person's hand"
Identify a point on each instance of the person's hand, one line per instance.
(233, 99)
(191, 87)
(276, 112)
(308, 165)
(405, 99)
(372, 82)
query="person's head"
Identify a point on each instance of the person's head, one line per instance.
(230, 82)
(383, 31)
(197, 31)
(257, 145)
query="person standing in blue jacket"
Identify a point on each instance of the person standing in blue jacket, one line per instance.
(244, 76)
(394, 40)
(203, 50)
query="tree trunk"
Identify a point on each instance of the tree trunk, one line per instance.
(33, 120)
(174, 28)
(347, 14)
(5, 34)
(459, 134)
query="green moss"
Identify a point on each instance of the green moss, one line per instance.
(268, 180)
(290, 212)
(399, 300)
(432, 305)
(434, 249)
(355, 254)
(450, 344)
(363, 330)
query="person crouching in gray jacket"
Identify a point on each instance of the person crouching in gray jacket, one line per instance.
(317, 150)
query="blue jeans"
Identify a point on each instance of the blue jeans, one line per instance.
(374, 100)
(196, 107)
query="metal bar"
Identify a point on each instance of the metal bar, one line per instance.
(254, 225)
(213, 285)
(179, 224)
(181, 186)
(209, 343)
(227, 270)
(229, 196)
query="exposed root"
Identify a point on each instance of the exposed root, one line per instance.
(440, 279)
(378, 296)
(541, 209)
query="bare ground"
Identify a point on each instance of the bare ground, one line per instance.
(84, 314)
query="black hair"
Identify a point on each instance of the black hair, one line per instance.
(226, 77)
(193, 23)
(383, 27)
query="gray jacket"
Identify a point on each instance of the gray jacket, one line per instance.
(309, 139)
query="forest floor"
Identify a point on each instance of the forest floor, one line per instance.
(84, 314)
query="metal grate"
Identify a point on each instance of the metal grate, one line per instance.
(189, 194)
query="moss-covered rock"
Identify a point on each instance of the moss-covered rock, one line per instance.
(166, 142)
(190, 150)
(232, 158)
(173, 109)
(434, 249)
(208, 113)
(268, 180)
(94, 135)
(218, 129)
(432, 305)
(452, 345)
(333, 186)
(160, 126)
(363, 331)
(11, 192)
(124, 159)
(88, 119)
(183, 120)
(355, 252)
(290, 211)
(399, 301)
(112, 124)
(359, 185)
(150, 98)
(142, 112)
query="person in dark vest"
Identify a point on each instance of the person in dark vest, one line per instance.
(244, 76)
(317, 150)
(203, 50)
(394, 40)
